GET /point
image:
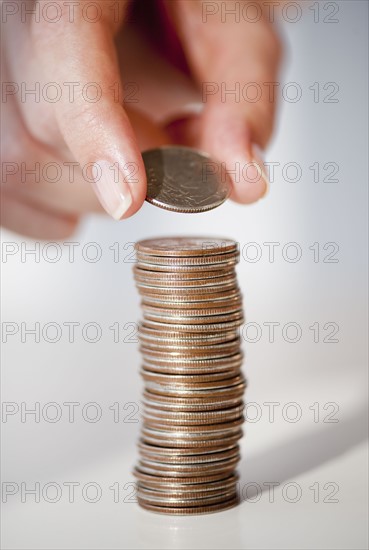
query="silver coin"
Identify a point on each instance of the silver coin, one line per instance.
(215, 327)
(189, 480)
(181, 279)
(165, 451)
(172, 470)
(178, 440)
(172, 418)
(149, 353)
(159, 349)
(231, 360)
(184, 180)
(188, 459)
(200, 339)
(186, 246)
(177, 500)
(175, 485)
(190, 300)
(185, 261)
(190, 510)
(189, 405)
(201, 268)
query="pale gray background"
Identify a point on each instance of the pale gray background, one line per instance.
(306, 372)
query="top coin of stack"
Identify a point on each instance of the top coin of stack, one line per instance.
(193, 396)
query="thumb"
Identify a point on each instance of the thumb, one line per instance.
(91, 118)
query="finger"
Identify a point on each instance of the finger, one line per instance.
(94, 124)
(34, 222)
(58, 183)
(235, 81)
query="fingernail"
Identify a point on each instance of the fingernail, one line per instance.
(111, 188)
(258, 159)
(187, 110)
(192, 108)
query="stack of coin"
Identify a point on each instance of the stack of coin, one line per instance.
(193, 395)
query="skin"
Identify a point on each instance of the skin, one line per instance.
(165, 72)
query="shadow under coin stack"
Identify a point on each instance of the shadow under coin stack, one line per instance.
(193, 394)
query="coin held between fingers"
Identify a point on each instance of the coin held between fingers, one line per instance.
(185, 180)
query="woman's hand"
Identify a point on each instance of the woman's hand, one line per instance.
(115, 79)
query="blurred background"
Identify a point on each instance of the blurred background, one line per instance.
(306, 434)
